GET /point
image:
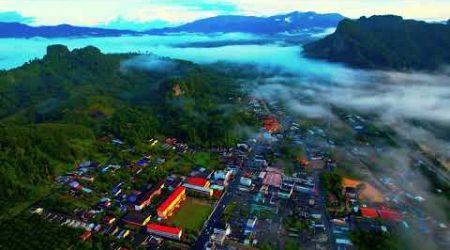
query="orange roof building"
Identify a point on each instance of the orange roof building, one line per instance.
(369, 212)
(271, 125)
(368, 191)
(167, 208)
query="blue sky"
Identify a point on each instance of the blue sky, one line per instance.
(141, 14)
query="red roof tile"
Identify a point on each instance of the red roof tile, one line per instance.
(271, 124)
(171, 198)
(369, 212)
(197, 181)
(164, 229)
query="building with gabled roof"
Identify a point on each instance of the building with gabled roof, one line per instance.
(165, 231)
(273, 177)
(136, 219)
(197, 181)
(172, 202)
(145, 198)
(199, 189)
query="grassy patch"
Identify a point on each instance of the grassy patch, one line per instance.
(191, 215)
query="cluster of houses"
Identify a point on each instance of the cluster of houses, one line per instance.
(272, 182)
(367, 212)
(82, 172)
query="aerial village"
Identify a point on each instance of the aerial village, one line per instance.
(275, 190)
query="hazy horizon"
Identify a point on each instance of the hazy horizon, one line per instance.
(140, 15)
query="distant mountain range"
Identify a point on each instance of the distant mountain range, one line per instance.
(385, 42)
(18, 30)
(290, 23)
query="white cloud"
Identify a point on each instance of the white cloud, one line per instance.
(94, 12)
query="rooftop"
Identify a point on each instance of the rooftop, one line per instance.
(164, 229)
(135, 218)
(197, 181)
(369, 212)
(171, 198)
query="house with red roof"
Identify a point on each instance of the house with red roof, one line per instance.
(271, 124)
(198, 181)
(167, 208)
(369, 212)
(165, 231)
(198, 185)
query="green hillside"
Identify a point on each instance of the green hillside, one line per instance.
(385, 42)
(58, 110)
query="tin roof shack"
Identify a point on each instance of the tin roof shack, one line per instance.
(167, 208)
(145, 198)
(173, 233)
(136, 219)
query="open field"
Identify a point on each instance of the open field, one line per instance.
(191, 215)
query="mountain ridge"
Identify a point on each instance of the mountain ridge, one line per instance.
(19, 30)
(385, 42)
(291, 22)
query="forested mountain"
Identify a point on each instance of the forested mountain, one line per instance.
(291, 23)
(54, 111)
(18, 30)
(385, 42)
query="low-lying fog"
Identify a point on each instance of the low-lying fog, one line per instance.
(397, 98)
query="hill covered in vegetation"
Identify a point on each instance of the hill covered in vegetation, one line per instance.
(58, 110)
(385, 42)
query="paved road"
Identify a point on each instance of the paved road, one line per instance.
(215, 216)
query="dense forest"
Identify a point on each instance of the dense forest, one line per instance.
(57, 110)
(385, 42)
